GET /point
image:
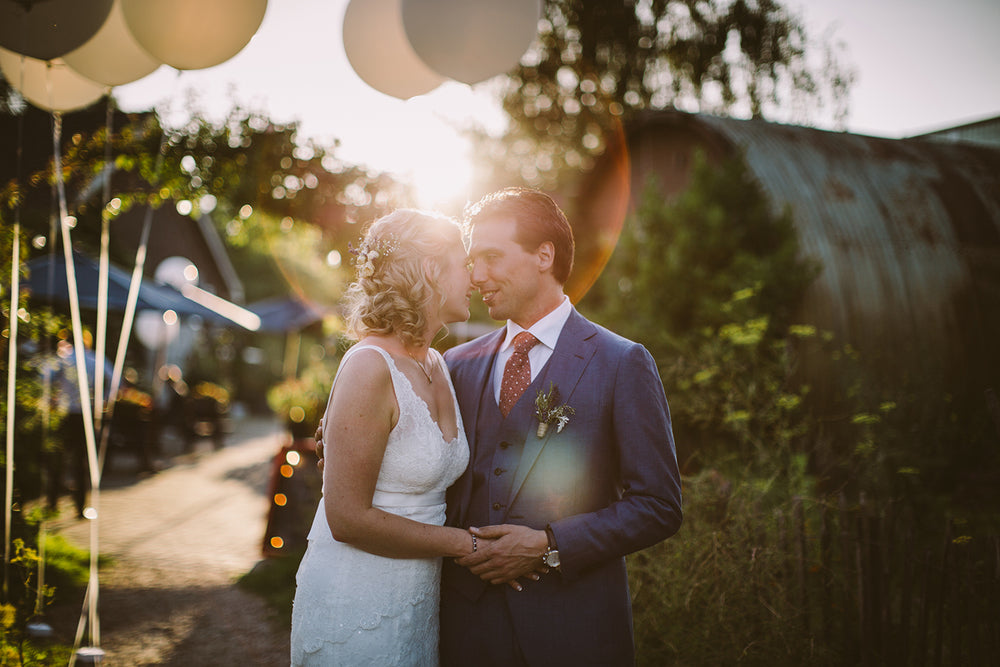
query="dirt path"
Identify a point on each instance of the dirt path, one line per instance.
(179, 540)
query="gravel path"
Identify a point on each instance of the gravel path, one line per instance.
(179, 539)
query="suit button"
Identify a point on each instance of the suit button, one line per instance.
(499, 471)
(498, 506)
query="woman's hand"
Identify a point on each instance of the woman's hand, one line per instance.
(507, 553)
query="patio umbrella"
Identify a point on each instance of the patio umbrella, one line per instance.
(284, 314)
(48, 281)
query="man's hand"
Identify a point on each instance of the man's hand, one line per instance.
(512, 552)
(319, 445)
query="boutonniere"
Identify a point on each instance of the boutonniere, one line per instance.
(548, 411)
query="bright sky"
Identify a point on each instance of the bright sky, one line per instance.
(921, 65)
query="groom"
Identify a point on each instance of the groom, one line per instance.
(568, 504)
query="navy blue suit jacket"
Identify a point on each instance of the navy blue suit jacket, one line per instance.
(607, 485)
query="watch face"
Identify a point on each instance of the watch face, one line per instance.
(552, 559)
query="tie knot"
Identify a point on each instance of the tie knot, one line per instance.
(523, 342)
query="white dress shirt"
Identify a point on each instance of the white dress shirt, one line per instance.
(546, 330)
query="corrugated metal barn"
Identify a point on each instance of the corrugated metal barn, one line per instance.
(907, 231)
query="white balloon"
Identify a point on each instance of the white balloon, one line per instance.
(193, 34)
(471, 40)
(49, 84)
(112, 56)
(152, 329)
(379, 52)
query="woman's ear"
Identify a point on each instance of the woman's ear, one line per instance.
(430, 268)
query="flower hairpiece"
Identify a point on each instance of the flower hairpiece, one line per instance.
(369, 251)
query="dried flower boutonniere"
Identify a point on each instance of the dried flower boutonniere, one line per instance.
(548, 411)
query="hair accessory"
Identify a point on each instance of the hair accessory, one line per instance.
(369, 251)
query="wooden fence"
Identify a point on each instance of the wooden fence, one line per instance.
(886, 589)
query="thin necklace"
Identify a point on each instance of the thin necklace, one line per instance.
(421, 366)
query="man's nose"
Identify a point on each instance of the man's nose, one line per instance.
(477, 273)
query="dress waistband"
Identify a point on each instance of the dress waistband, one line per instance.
(403, 499)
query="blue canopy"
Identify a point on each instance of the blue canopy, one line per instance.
(47, 280)
(282, 314)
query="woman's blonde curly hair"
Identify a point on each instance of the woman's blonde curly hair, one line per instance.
(393, 294)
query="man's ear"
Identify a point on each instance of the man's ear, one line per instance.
(546, 254)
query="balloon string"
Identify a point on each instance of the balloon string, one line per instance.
(100, 344)
(11, 399)
(133, 291)
(81, 371)
(15, 288)
(46, 407)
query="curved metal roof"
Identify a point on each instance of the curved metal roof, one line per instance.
(907, 230)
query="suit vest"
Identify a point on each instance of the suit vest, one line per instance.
(497, 450)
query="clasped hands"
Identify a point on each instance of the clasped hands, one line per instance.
(507, 553)
(504, 553)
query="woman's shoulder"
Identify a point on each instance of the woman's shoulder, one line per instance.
(365, 364)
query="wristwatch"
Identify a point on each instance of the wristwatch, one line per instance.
(551, 556)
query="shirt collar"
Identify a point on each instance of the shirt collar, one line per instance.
(546, 330)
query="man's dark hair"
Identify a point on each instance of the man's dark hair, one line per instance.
(539, 219)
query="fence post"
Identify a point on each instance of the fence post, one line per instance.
(942, 590)
(862, 548)
(847, 554)
(827, 573)
(800, 526)
(922, 628)
(906, 585)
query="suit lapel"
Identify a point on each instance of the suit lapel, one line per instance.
(565, 367)
(478, 380)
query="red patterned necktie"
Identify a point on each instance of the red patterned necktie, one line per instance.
(517, 372)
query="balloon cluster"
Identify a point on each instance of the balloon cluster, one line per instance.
(65, 54)
(405, 48)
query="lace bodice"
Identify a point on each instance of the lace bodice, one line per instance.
(418, 465)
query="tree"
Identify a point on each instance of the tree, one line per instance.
(276, 198)
(710, 283)
(599, 62)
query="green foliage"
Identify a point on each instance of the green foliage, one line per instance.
(721, 592)
(66, 571)
(301, 401)
(714, 255)
(709, 282)
(259, 174)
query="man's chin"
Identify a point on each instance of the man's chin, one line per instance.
(496, 313)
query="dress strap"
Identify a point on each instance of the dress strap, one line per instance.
(351, 350)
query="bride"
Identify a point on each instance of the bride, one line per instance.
(367, 589)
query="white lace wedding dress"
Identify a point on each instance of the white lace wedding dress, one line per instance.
(354, 608)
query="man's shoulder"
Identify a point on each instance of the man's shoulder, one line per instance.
(602, 336)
